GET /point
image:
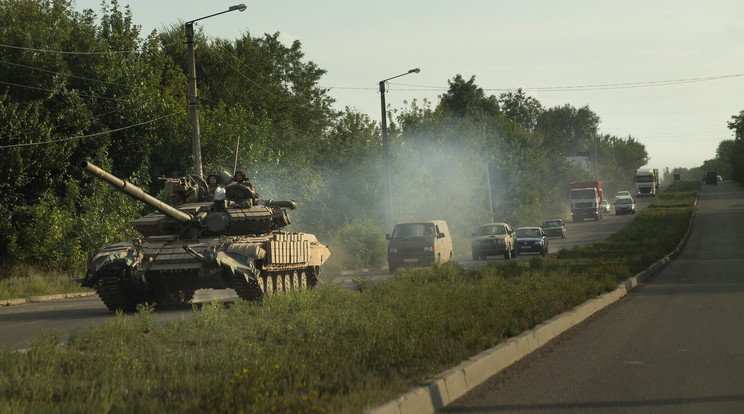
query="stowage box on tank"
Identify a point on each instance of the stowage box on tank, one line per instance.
(235, 243)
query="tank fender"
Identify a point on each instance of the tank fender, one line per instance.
(100, 263)
(232, 264)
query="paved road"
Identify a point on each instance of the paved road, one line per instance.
(675, 344)
(583, 233)
(21, 323)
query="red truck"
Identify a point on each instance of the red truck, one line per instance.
(585, 198)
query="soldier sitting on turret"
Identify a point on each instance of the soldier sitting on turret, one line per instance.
(212, 183)
(242, 179)
(216, 191)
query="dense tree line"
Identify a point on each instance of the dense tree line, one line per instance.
(76, 86)
(729, 159)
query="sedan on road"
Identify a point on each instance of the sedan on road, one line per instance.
(625, 205)
(493, 239)
(554, 228)
(531, 240)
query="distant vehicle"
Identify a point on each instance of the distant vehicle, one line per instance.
(605, 206)
(621, 194)
(625, 205)
(711, 177)
(646, 181)
(531, 240)
(585, 198)
(493, 239)
(419, 243)
(554, 228)
(719, 178)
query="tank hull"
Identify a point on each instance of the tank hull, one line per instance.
(168, 269)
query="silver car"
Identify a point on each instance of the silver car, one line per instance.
(625, 205)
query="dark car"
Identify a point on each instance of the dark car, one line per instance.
(554, 228)
(711, 177)
(531, 240)
(493, 239)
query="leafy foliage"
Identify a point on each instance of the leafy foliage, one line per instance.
(76, 87)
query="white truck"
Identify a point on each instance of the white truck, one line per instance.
(646, 182)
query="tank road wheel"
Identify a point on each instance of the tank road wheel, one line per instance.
(303, 280)
(287, 282)
(245, 290)
(279, 283)
(295, 280)
(269, 283)
(112, 294)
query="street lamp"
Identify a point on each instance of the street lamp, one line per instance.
(386, 154)
(193, 103)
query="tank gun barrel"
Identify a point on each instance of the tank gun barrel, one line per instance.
(136, 192)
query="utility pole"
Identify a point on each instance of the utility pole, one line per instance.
(488, 168)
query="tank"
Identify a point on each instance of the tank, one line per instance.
(202, 242)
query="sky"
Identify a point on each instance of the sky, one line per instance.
(670, 74)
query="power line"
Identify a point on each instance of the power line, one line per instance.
(90, 135)
(56, 91)
(577, 88)
(64, 52)
(65, 74)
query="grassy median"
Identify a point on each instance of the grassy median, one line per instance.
(326, 349)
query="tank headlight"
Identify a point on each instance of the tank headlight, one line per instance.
(392, 250)
(430, 249)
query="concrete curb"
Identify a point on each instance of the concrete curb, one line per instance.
(46, 298)
(456, 382)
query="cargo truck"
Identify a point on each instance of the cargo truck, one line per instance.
(646, 181)
(585, 198)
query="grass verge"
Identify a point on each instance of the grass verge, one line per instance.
(24, 280)
(323, 350)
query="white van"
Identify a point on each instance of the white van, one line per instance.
(419, 243)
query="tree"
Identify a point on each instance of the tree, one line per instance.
(464, 97)
(567, 130)
(520, 108)
(736, 154)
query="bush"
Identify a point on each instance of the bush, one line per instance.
(359, 244)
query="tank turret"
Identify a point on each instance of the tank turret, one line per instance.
(238, 214)
(231, 243)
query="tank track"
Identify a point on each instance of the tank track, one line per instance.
(250, 291)
(112, 294)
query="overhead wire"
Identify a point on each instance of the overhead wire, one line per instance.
(54, 141)
(579, 88)
(66, 52)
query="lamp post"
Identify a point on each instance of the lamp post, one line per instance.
(193, 102)
(386, 153)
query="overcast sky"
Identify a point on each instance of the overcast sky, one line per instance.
(668, 73)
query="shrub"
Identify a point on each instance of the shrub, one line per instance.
(362, 242)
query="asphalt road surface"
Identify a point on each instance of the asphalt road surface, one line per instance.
(21, 323)
(673, 345)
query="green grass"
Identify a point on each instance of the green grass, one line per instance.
(23, 280)
(326, 349)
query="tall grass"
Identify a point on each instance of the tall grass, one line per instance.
(23, 280)
(321, 350)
